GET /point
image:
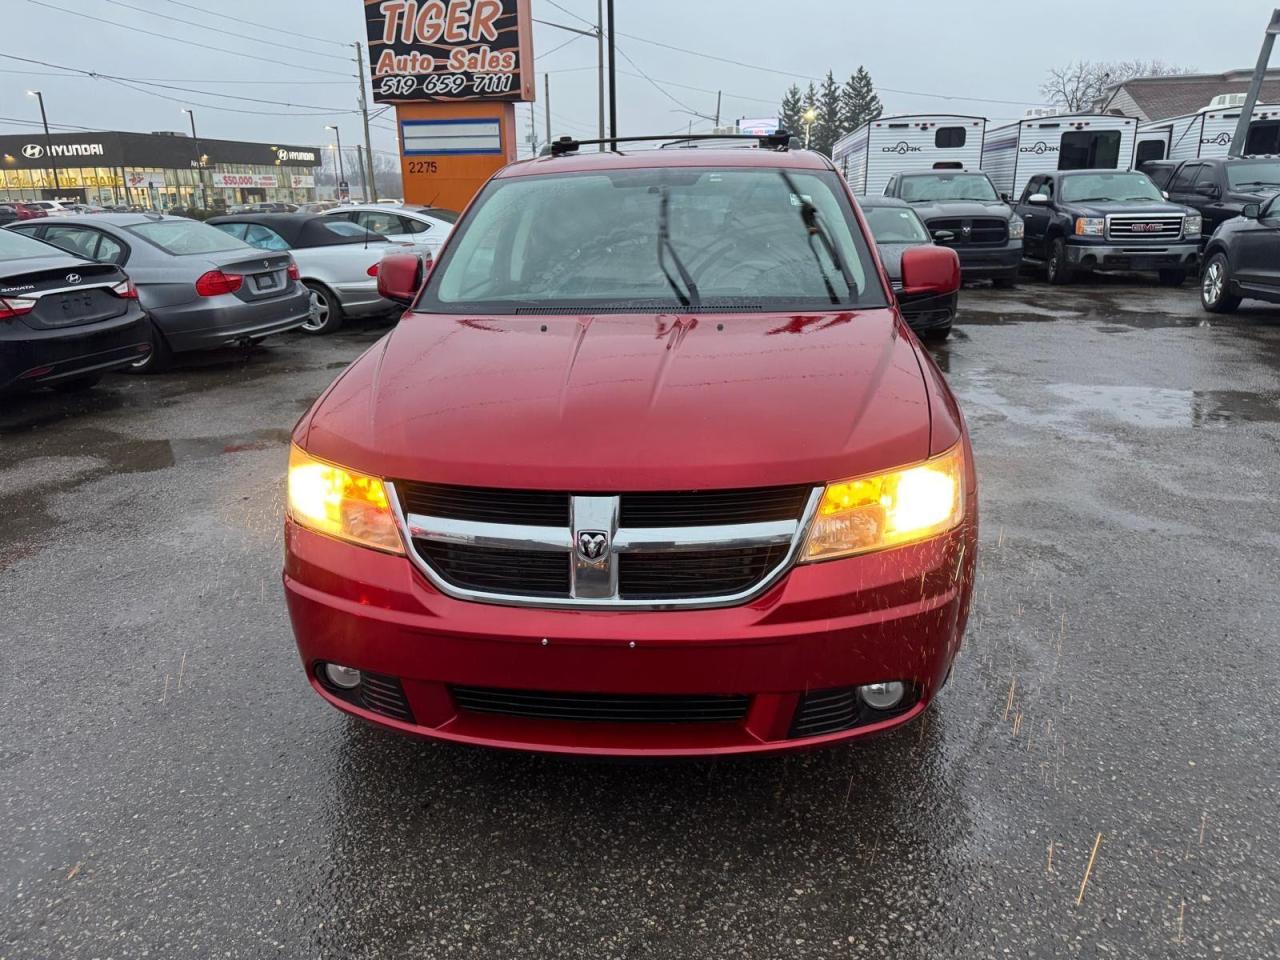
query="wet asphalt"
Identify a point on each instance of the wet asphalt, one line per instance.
(171, 787)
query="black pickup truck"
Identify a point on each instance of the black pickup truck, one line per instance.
(1218, 187)
(1083, 220)
(963, 211)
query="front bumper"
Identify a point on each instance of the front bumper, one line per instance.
(30, 357)
(894, 615)
(935, 312)
(988, 263)
(211, 322)
(1184, 255)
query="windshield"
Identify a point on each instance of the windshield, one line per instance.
(895, 225)
(14, 246)
(1109, 186)
(588, 240)
(1253, 173)
(186, 237)
(948, 186)
(595, 241)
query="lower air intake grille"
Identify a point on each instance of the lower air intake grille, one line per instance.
(602, 707)
(702, 573)
(384, 695)
(825, 711)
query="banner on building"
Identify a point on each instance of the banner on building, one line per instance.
(245, 180)
(443, 50)
(302, 182)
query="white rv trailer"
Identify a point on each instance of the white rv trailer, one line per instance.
(874, 152)
(1208, 132)
(1016, 152)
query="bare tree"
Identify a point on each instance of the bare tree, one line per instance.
(1077, 85)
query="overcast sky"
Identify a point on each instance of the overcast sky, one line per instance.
(924, 55)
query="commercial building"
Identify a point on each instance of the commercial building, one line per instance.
(153, 170)
(1159, 98)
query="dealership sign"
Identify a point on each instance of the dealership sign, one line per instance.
(433, 50)
(37, 151)
(249, 180)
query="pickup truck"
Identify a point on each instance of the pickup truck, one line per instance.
(1218, 188)
(962, 210)
(1084, 220)
(651, 466)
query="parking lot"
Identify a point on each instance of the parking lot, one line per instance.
(173, 788)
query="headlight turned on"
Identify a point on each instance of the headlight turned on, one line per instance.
(889, 509)
(341, 503)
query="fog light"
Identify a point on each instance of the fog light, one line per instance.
(882, 696)
(345, 678)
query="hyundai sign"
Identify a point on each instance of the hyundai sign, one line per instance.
(448, 50)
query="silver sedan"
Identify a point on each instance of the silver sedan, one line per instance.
(337, 261)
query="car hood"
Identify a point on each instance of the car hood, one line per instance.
(1153, 207)
(963, 209)
(891, 257)
(628, 402)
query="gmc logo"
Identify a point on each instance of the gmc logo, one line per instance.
(1145, 228)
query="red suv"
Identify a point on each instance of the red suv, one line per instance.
(652, 465)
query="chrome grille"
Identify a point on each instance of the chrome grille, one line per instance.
(1137, 227)
(663, 549)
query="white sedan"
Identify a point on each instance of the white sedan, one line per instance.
(427, 227)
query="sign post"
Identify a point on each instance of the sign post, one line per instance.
(454, 69)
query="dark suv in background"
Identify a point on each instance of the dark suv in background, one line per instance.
(963, 211)
(1082, 220)
(1218, 188)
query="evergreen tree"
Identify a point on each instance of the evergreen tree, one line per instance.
(789, 115)
(858, 101)
(828, 128)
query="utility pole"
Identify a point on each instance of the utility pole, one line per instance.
(613, 79)
(600, 64)
(546, 85)
(1240, 140)
(204, 197)
(48, 140)
(370, 185)
(533, 130)
(341, 176)
(719, 95)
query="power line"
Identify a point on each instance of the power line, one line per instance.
(253, 23)
(256, 83)
(562, 9)
(560, 46)
(323, 110)
(190, 43)
(657, 86)
(201, 26)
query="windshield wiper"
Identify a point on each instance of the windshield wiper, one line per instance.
(816, 228)
(1096, 200)
(665, 248)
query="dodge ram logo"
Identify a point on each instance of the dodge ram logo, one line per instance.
(592, 544)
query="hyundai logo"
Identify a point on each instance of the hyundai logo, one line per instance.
(33, 151)
(593, 544)
(73, 278)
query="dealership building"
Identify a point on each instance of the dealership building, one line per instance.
(154, 170)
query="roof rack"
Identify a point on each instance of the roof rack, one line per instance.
(778, 140)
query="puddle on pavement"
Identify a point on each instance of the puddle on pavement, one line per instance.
(1151, 407)
(115, 455)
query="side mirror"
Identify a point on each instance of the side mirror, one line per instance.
(1165, 194)
(1207, 190)
(1038, 198)
(943, 236)
(1251, 211)
(1004, 197)
(400, 277)
(930, 270)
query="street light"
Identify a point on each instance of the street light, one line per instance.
(338, 136)
(809, 117)
(204, 197)
(48, 140)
